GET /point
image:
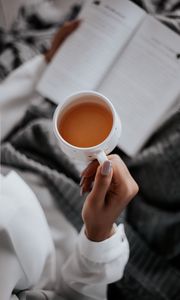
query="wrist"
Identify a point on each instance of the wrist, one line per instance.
(96, 235)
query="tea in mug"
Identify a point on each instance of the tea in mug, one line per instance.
(86, 124)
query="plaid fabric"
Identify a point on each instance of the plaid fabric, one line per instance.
(32, 31)
(30, 34)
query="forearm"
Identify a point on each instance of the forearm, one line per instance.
(93, 265)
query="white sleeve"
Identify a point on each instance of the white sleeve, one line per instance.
(17, 91)
(26, 245)
(21, 82)
(93, 265)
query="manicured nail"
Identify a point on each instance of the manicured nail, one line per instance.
(81, 191)
(82, 180)
(106, 168)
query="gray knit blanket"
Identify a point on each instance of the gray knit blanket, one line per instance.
(152, 220)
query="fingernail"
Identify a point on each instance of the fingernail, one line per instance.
(82, 180)
(83, 172)
(106, 168)
(81, 191)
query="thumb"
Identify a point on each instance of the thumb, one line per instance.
(102, 181)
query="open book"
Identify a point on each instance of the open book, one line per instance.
(127, 55)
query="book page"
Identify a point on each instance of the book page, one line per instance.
(144, 83)
(86, 55)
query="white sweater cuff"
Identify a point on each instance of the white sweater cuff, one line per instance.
(105, 251)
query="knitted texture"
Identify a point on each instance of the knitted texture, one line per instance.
(152, 219)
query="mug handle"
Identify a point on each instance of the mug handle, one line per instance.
(101, 157)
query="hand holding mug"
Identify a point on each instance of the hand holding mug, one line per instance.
(86, 138)
(87, 126)
(113, 188)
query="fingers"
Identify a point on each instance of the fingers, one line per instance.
(87, 176)
(102, 182)
(122, 180)
(91, 169)
(112, 190)
(66, 30)
(70, 26)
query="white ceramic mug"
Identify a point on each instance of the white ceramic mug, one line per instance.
(99, 151)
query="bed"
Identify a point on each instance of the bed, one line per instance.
(152, 221)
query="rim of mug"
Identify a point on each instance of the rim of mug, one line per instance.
(69, 99)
